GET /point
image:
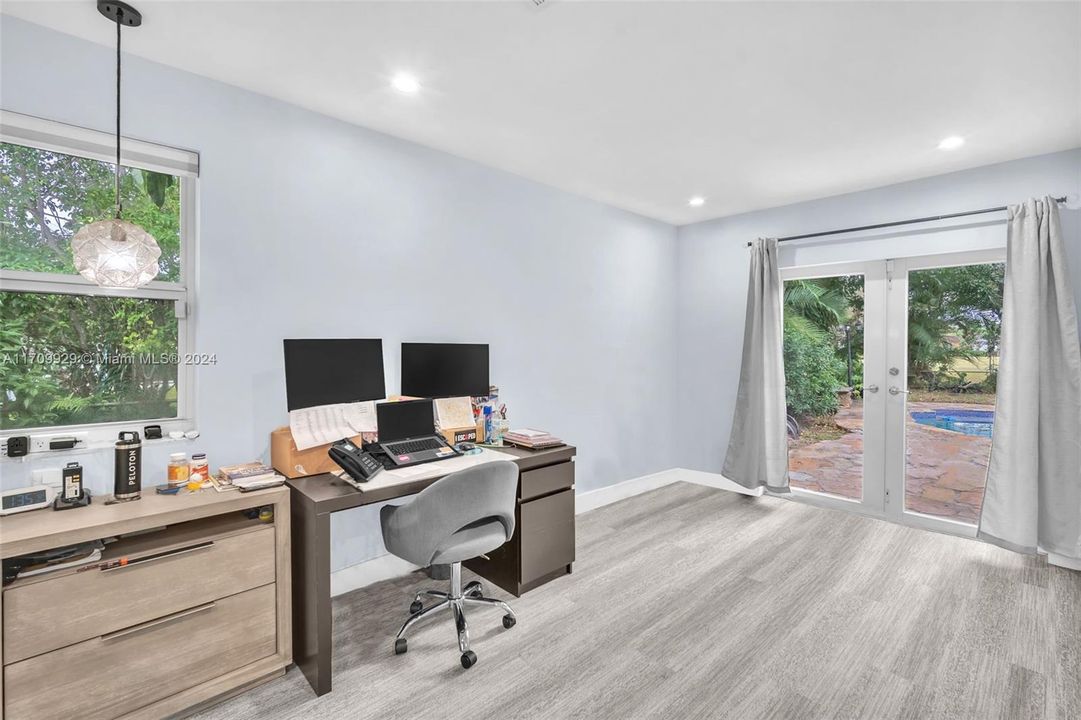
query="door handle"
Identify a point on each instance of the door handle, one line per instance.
(871, 388)
(160, 556)
(894, 390)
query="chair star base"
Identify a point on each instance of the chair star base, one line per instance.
(455, 600)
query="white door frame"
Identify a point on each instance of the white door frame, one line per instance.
(886, 345)
(874, 407)
(896, 321)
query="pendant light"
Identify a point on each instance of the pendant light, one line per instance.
(115, 253)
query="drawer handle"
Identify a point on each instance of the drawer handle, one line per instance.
(158, 556)
(115, 635)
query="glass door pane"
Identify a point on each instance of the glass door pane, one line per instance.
(954, 321)
(824, 357)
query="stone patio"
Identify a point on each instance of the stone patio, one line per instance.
(944, 470)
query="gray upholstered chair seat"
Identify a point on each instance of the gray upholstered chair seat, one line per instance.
(466, 514)
(471, 541)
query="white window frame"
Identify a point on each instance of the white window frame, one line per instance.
(58, 137)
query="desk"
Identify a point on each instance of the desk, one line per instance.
(540, 551)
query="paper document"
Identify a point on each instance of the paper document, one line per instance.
(325, 424)
(454, 412)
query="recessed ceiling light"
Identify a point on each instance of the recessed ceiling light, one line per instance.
(405, 83)
(697, 201)
(951, 143)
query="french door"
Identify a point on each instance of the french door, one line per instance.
(890, 371)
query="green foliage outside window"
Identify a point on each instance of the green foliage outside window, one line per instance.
(72, 359)
(811, 369)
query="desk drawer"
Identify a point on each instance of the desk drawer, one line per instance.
(546, 535)
(122, 671)
(54, 613)
(545, 480)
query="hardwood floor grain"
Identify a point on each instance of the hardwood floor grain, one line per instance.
(691, 602)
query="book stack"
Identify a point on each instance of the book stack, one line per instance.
(532, 439)
(246, 477)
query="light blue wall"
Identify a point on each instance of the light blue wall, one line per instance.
(713, 261)
(311, 227)
(308, 224)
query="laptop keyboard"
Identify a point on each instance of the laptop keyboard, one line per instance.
(409, 447)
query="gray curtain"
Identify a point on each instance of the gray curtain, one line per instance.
(1033, 497)
(758, 446)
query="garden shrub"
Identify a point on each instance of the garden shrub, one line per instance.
(812, 370)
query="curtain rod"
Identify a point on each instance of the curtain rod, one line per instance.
(899, 222)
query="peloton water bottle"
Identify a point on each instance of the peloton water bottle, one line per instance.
(127, 482)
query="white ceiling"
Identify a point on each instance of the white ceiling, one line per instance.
(644, 104)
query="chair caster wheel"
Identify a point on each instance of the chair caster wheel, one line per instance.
(415, 607)
(509, 621)
(469, 659)
(400, 646)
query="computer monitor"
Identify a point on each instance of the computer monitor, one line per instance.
(325, 372)
(405, 419)
(437, 370)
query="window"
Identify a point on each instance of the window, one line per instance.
(74, 355)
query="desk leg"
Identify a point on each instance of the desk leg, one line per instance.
(312, 619)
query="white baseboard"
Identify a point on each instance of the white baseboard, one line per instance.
(1063, 561)
(715, 480)
(593, 499)
(371, 571)
(388, 566)
(385, 567)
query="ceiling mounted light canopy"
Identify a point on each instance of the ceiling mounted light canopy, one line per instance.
(405, 83)
(951, 143)
(116, 253)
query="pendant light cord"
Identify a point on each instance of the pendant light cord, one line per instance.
(119, 16)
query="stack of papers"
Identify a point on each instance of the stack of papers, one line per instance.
(325, 424)
(249, 476)
(532, 439)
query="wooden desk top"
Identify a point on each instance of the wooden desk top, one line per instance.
(37, 530)
(330, 494)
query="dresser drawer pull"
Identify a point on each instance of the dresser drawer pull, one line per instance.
(154, 623)
(125, 563)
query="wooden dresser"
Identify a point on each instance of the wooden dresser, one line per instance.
(199, 612)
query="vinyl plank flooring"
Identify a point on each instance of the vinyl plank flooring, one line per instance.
(692, 602)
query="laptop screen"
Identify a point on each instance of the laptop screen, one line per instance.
(405, 419)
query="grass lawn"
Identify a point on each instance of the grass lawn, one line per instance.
(944, 396)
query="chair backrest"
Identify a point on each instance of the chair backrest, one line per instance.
(450, 504)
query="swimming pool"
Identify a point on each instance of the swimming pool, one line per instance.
(968, 422)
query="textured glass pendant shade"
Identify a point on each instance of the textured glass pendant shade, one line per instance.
(115, 253)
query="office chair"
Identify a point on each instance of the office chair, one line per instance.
(461, 516)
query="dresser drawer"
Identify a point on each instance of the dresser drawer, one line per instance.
(122, 671)
(545, 480)
(546, 534)
(57, 612)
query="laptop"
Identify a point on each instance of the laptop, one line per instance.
(407, 433)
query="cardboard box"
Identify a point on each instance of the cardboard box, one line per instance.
(460, 434)
(294, 463)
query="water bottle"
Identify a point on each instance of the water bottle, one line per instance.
(127, 481)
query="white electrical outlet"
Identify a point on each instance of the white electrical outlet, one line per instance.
(48, 476)
(40, 443)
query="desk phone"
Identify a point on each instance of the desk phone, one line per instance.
(359, 465)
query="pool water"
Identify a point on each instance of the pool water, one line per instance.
(967, 422)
